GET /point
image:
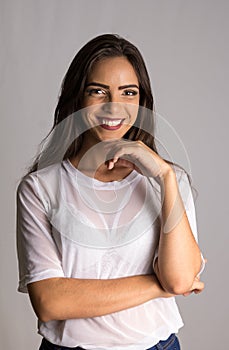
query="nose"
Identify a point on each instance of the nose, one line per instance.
(112, 108)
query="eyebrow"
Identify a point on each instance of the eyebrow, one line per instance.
(108, 87)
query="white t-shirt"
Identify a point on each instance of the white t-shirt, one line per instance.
(71, 225)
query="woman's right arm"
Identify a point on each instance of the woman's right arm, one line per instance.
(54, 296)
(66, 298)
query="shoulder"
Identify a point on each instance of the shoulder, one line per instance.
(39, 179)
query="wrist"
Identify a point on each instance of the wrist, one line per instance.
(167, 174)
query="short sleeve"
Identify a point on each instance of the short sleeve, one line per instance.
(38, 255)
(188, 201)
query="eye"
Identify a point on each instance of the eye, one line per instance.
(130, 92)
(95, 92)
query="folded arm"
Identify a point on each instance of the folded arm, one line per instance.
(179, 258)
(66, 298)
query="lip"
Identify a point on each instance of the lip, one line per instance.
(110, 127)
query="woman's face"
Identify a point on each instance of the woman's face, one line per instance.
(112, 99)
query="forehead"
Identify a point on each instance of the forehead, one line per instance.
(113, 70)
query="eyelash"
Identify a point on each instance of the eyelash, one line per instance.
(133, 92)
(92, 91)
(95, 91)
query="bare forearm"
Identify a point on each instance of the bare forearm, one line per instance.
(179, 255)
(66, 298)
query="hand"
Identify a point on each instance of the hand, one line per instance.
(197, 287)
(136, 155)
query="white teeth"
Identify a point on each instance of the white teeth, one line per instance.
(111, 122)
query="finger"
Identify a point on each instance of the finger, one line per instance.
(126, 163)
(198, 287)
(119, 149)
(123, 162)
(197, 291)
(118, 153)
(110, 164)
(111, 145)
(121, 156)
(112, 154)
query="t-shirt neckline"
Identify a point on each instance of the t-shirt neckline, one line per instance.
(88, 180)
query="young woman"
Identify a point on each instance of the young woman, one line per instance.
(106, 228)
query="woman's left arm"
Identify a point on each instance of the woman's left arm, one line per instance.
(179, 257)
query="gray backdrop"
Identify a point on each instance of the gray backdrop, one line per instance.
(186, 48)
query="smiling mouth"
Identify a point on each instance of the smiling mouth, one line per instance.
(110, 124)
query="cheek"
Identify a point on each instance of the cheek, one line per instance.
(133, 111)
(93, 100)
(86, 102)
(89, 114)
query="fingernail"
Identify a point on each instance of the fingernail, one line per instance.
(111, 165)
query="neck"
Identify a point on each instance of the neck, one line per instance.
(91, 160)
(90, 156)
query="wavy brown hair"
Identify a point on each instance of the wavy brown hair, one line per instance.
(66, 138)
(72, 90)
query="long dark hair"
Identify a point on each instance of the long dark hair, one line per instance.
(73, 86)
